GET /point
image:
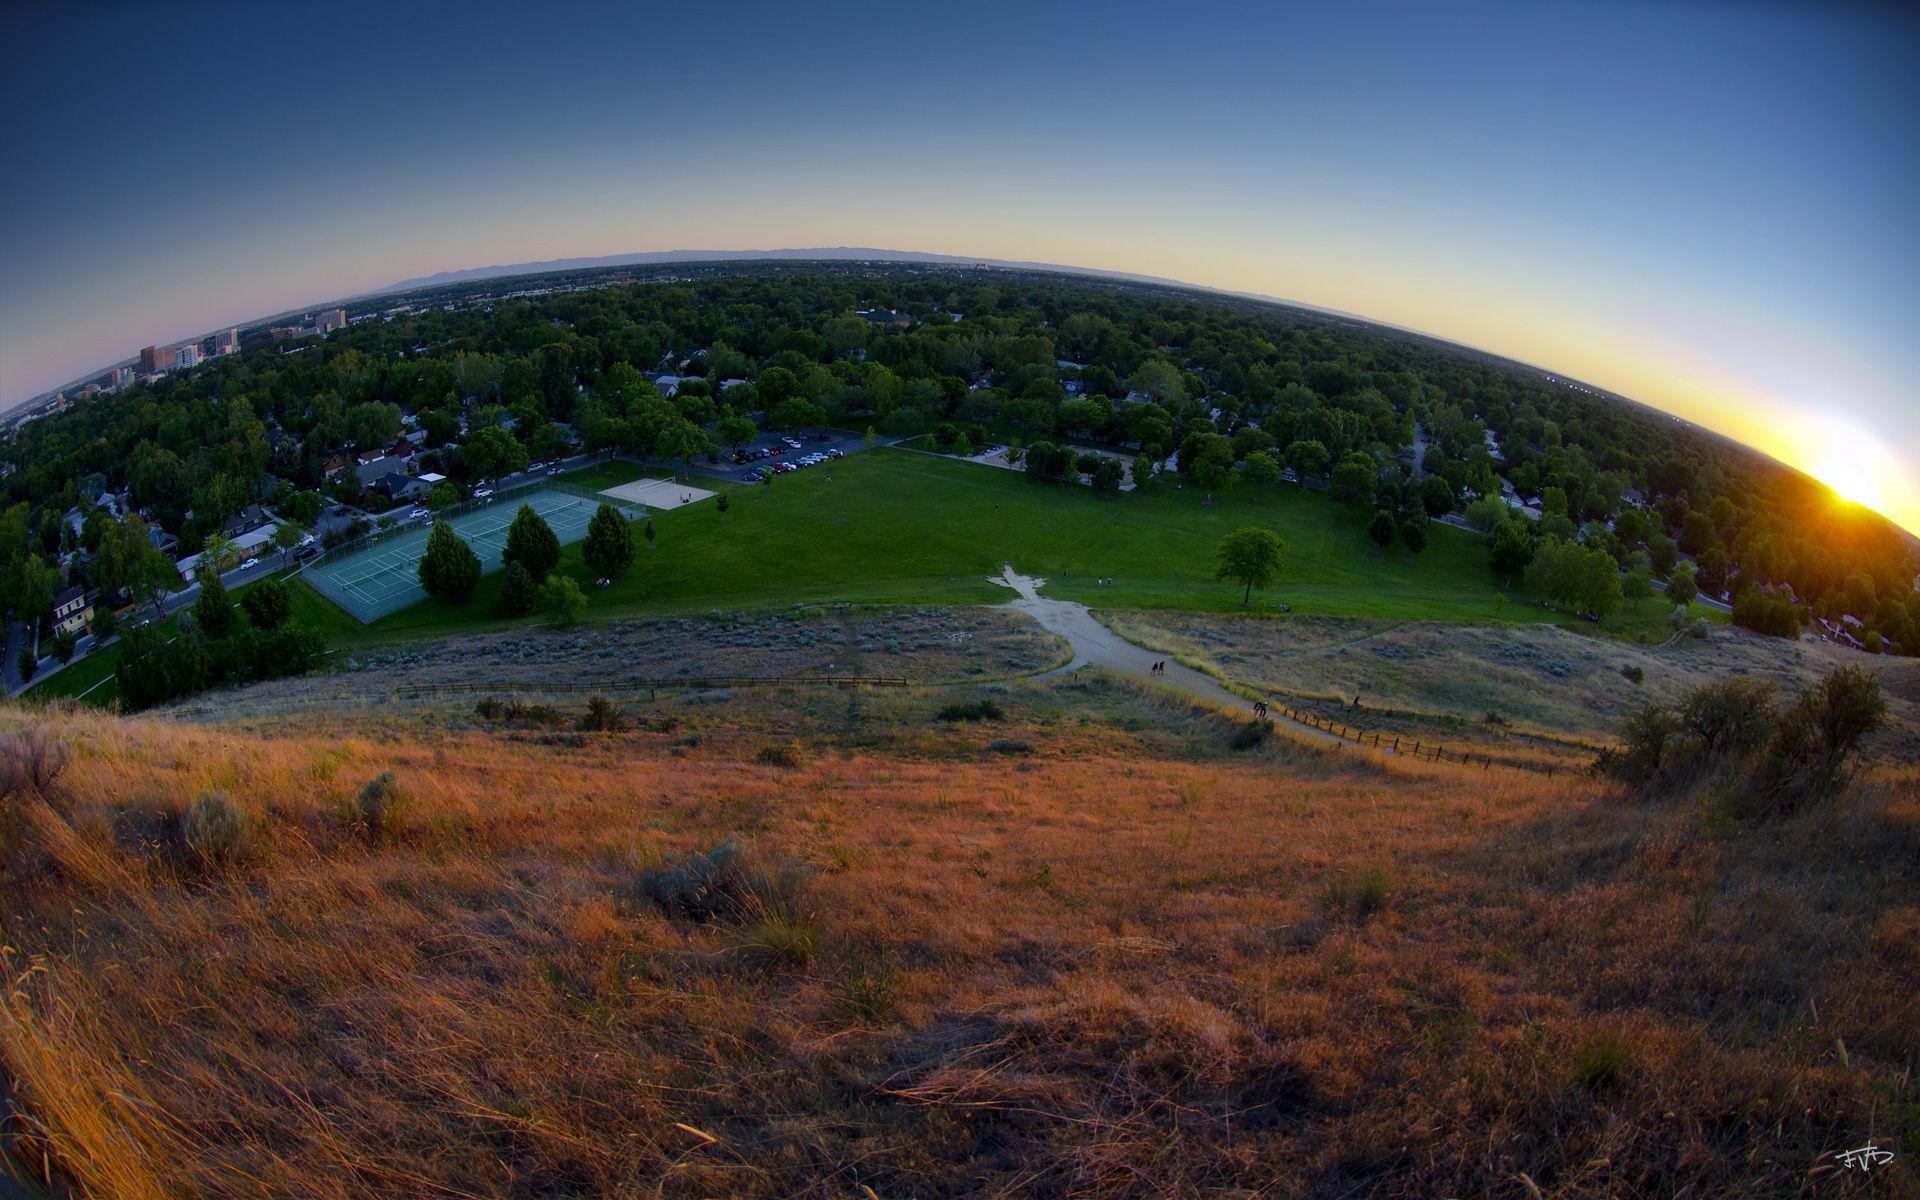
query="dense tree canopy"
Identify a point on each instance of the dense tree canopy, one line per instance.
(488, 382)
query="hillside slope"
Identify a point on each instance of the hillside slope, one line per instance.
(1055, 938)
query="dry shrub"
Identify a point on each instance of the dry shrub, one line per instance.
(217, 833)
(380, 810)
(31, 759)
(781, 754)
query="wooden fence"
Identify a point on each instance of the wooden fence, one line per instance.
(1417, 747)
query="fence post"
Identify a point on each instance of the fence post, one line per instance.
(1416, 749)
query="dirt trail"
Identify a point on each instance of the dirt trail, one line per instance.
(1094, 645)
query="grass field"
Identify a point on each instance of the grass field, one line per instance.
(893, 525)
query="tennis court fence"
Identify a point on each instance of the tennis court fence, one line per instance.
(502, 495)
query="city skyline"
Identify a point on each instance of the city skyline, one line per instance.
(1699, 208)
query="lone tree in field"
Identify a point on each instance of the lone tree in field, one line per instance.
(609, 545)
(1252, 556)
(531, 543)
(449, 568)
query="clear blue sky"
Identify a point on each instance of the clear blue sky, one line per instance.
(1706, 206)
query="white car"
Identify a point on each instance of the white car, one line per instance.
(416, 514)
(554, 469)
(536, 468)
(251, 562)
(795, 442)
(482, 493)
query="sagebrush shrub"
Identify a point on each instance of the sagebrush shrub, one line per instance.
(217, 833)
(380, 810)
(972, 710)
(781, 754)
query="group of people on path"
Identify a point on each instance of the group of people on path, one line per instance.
(1159, 668)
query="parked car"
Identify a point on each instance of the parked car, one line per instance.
(835, 454)
(417, 513)
(482, 493)
(554, 469)
(536, 468)
(251, 562)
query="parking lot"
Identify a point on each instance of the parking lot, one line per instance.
(783, 453)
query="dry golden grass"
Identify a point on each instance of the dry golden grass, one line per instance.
(1128, 963)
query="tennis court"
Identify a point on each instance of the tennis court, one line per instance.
(384, 578)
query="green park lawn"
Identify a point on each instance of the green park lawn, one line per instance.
(893, 526)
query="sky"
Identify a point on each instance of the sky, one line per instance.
(1705, 206)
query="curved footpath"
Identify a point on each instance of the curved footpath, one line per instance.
(1094, 645)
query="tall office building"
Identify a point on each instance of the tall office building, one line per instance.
(330, 320)
(227, 341)
(155, 359)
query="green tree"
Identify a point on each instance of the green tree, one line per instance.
(1512, 550)
(722, 502)
(1381, 528)
(1488, 513)
(1262, 469)
(1207, 459)
(268, 603)
(151, 577)
(1251, 556)
(1681, 586)
(286, 539)
(648, 531)
(449, 568)
(214, 608)
(735, 431)
(563, 600)
(1159, 381)
(1415, 530)
(609, 544)
(1437, 496)
(531, 543)
(1637, 585)
(27, 663)
(518, 592)
(493, 452)
(1308, 459)
(1353, 478)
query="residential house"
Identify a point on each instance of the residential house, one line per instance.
(335, 464)
(72, 611)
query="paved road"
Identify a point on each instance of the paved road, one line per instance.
(1094, 645)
